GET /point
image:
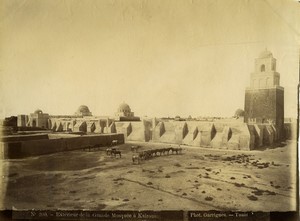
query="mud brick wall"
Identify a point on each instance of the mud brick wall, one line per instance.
(16, 138)
(39, 147)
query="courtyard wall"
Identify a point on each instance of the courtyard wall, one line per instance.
(28, 148)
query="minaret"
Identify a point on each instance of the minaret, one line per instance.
(264, 99)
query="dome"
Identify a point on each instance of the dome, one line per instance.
(83, 110)
(124, 108)
(265, 54)
(38, 111)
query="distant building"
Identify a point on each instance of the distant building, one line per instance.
(83, 111)
(264, 99)
(36, 119)
(22, 120)
(124, 113)
(9, 121)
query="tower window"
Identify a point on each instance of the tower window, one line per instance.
(262, 68)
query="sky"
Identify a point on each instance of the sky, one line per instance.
(163, 58)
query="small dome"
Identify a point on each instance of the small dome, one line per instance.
(38, 111)
(124, 108)
(265, 54)
(83, 110)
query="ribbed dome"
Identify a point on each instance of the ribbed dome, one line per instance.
(265, 54)
(124, 108)
(38, 111)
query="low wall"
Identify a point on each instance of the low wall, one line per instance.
(39, 147)
(15, 138)
(63, 135)
(30, 129)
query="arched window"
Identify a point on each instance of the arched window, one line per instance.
(262, 68)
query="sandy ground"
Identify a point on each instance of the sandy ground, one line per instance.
(197, 179)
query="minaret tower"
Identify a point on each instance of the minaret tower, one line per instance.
(264, 99)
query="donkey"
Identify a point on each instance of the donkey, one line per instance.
(115, 152)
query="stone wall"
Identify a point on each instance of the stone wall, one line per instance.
(45, 146)
(223, 134)
(241, 138)
(264, 105)
(124, 128)
(140, 131)
(16, 138)
(234, 134)
(237, 136)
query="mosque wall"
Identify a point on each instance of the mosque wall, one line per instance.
(257, 131)
(140, 131)
(124, 128)
(235, 136)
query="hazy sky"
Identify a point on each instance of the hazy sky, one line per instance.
(163, 58)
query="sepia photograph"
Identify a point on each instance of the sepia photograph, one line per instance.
(149, 110)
